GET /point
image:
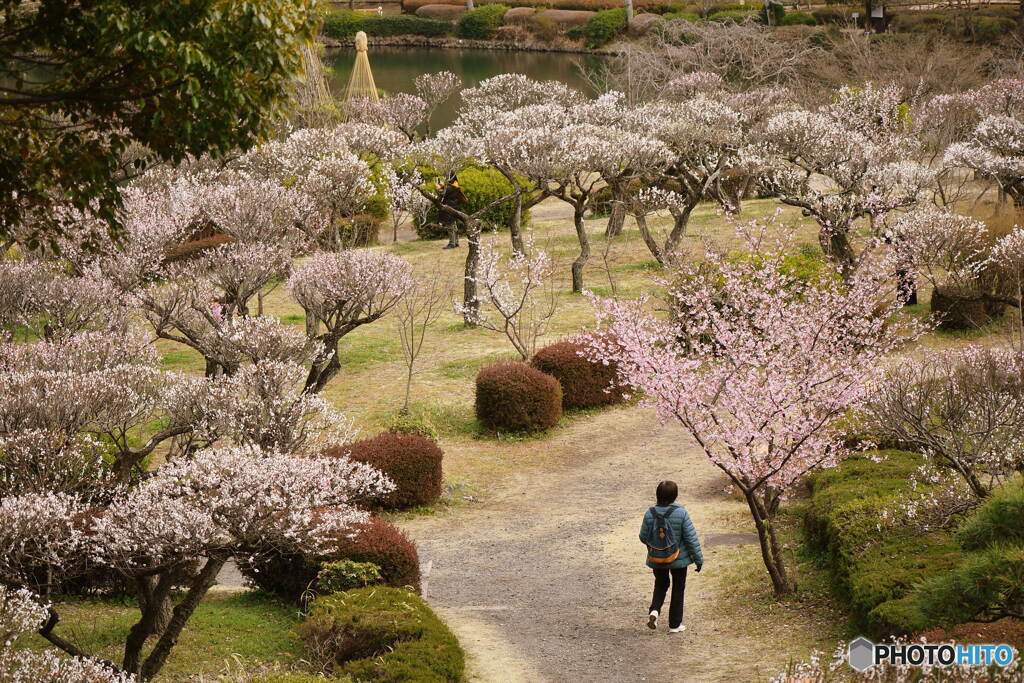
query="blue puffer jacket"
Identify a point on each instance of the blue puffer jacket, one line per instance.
(682, 527)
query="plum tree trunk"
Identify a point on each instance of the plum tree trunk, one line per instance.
(515, 224)
(680, 221)
(581, 260)
(197, 590)
(470, 301)
(835, 242)
(652, 244)
(616, 220)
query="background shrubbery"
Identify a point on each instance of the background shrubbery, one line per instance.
(514, 397)
(481, 23)
(481, 187)
(382, 634)
(345, 24)
(604, 27)
(290, 575)
(413, 463)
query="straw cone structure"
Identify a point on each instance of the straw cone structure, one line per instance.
(361, 85)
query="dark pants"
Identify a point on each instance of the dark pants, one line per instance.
(661, 581)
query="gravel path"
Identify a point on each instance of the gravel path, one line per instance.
(544, 580)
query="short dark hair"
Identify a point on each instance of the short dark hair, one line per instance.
(667, 492)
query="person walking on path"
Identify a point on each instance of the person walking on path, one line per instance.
(672, 546)
(453, 196)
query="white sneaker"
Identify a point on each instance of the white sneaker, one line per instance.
(678, 629)
(652, 621)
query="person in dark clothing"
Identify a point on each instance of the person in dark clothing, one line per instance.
(670, 573)
(453, 196)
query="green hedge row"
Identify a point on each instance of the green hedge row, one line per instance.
(346, 23)
(877, 570)
(988, 583)
(383, 634)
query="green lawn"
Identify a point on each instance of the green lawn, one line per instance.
(226, 628)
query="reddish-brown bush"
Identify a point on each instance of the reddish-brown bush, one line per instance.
(585, 383)
(183, 252)
(514, 397)
(413, 463)
(290, 575)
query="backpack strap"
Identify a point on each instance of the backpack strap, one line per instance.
(654, 514)
(666, 514)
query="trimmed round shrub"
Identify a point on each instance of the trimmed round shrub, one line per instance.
(585, 383)
(291, 575)
(514, 397)
(413, 463)
(346, 575)
(382, 634)
(798, 19)
(573, 20)
(481, 23)
(963, 313)
(604, 27)
(446, 12)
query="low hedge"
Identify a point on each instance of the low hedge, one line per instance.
(877, 570)
(604, 27)
(291, 575)
(413, 463)
(585, 383)
(481, 185)
(988, 583)
(999, 520)
(346, 23)
(481, 23)
(514, 397)
(382, 634)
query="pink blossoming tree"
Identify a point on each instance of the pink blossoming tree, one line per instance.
(757, 366)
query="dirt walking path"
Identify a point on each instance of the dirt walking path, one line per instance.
(544, 579)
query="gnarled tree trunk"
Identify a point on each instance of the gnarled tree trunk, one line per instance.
(581, 260)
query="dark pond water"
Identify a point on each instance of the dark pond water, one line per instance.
(395, 68)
